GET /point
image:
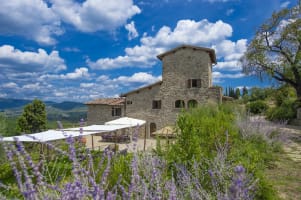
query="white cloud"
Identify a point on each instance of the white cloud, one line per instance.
(201, 33)
(79, 73)
(10, 85)
(190, 32)
(32, 19)
(3, 95)
(285, 4)
(132, 32)
(41, 20)
(35, 86)
(15, 60)
(228, 66)
(102, 78)
(218, 76)
(230, 50)
(95, 15)
(87, 85)
(229, 11)
(140, 77)
(71, 49)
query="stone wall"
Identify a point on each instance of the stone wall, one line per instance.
(99, 114)
(141, 107)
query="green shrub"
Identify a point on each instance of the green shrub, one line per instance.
(286, 111)
(257, 107)
(198, 130)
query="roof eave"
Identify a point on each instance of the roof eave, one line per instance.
(137, 90)
(208, 50)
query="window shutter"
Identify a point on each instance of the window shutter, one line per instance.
(189, 83)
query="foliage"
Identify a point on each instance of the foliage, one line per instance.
(284, 93)
(276, 49)
(244, 91)
(231, 92)
(285, 104)
(197, 132)
(286, 111)
(237, 93)
(259, 93)
(201, 131)
(257, 107)
(33, 118)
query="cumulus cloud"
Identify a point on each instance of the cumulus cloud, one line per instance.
(34, 86)
(132, 32)
(201, 33)
(32, 19)
(41, 20)
(140, 77)
(228, 66)
(95, 15)
(87, 85)
(104, 86)
(14, 60)
(218, 76)
(10, 85)
(79, 73)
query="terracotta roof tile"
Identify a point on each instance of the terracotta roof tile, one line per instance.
(107, 101)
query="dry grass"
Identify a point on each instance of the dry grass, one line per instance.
(286, 175)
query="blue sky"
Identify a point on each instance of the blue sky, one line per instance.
(68, 50)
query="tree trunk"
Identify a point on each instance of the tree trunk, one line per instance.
(298, 91)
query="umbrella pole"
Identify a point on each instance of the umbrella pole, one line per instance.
(92, 142)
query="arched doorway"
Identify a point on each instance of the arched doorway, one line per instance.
(192, 103)
(152, 128)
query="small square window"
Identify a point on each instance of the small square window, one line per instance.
(194, 83)
(129, 102)
(116, 111)
(157, 104)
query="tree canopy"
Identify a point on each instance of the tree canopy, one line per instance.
(276, 49)
(33, 118)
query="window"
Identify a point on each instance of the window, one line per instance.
(194, 83)
(179, 104)
(116, 111)
(192, 103)
(152, 127)
(156, 104)
(129, 102)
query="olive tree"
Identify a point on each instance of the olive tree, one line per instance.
(276, 49)
(33, 118)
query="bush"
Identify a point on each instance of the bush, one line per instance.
(286, 111)
(198, 130)
(257, 107)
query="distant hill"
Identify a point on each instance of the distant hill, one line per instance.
(70, 111)
(66, 105)
(12, 103)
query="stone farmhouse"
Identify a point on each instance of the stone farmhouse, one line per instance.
(186, 83)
